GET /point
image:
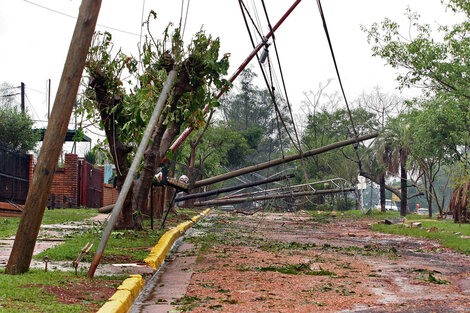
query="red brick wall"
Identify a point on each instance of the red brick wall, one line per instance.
(31, 168)
(110, 195)
(65, 179)
(66, 182)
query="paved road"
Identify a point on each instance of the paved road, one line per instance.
(296, 263)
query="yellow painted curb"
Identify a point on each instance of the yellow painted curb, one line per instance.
(158, 253)
(130, 288)
(121, 301)
(196, 218)
(185, 226)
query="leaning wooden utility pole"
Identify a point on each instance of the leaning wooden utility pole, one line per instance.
(290, 158)
(28, 229)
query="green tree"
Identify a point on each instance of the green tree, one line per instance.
(123, 115)
(323, 128)
(441, 68)
(218, 147)
(251, 113)
(16, 129)
(395, 148)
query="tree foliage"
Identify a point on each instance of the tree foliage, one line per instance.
(16, 129)
(440, 67)
(250, 112)
(122, 107)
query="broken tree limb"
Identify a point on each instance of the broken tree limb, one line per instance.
(218, 202)
(28, 229)
(232, 188)
(286, 159)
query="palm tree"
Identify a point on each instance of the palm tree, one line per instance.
(393, 150)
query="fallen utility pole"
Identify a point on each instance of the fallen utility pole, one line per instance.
(232, 188)
(290, 158)
(189, 130)
(218, 202)
(28, 229)
(277, 189)
(132, 171)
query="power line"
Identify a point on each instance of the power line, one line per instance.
(41, 92)
(302, 161)
(32, 107)
(325, 27)
(252, 22)
(185, 18)
(141, 22)
(270, 87)
(10, 95)
(8, 88)
(74, 17)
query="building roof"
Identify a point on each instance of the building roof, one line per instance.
(68, 137)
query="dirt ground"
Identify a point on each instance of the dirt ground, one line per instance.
(296, 263)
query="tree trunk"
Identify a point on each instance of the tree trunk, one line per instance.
(153, 156)
(403, 183)
(382, 192)
(118, 150)
(376, 180)
(159, 203)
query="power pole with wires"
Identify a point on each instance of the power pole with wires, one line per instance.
(22, 98)
(28, 229)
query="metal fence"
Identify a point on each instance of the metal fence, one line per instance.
(14, 175)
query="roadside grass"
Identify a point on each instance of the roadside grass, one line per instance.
(29, 292)
(123, 245)
(446, 232)
(24, 293)
(9, 225)
(327, 216)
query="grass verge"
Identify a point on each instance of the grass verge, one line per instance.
(446, 232)
(9, 225)
(38, 291)
(123, 245)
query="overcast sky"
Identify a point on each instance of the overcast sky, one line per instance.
(35, 40)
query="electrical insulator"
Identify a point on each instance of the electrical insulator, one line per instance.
(264, 55)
